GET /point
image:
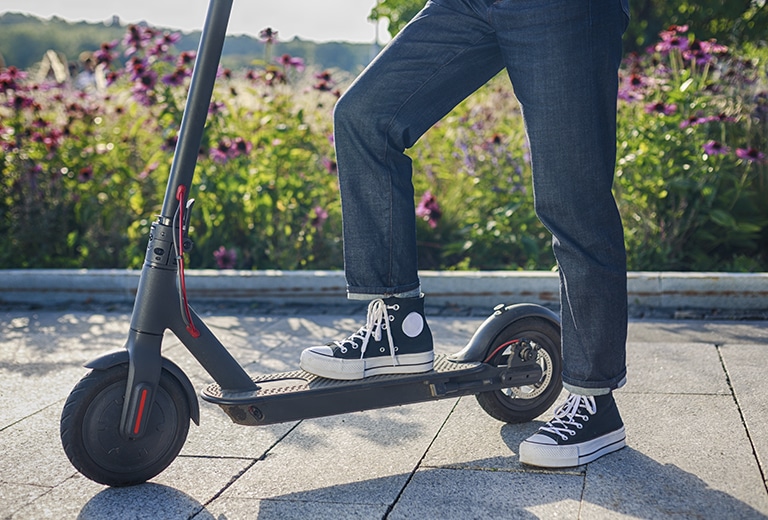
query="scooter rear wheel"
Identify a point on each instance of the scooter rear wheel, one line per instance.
(90, 429)
(525, 403)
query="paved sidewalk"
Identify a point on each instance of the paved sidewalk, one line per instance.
(695, 408)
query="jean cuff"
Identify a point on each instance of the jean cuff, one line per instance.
(580, 390)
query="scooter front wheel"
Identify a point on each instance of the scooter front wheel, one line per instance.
(525, 403)
(90, 429)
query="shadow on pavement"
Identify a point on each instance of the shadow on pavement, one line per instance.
(142, 501)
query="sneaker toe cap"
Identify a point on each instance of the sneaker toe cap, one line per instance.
(323, 350)
(539, 438)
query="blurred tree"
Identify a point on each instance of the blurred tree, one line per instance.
(729, 22)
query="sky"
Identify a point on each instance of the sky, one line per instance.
(316, 20)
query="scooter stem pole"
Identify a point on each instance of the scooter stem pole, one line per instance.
(198, 101)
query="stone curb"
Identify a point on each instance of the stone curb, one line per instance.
(670, 290)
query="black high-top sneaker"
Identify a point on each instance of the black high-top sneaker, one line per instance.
(394, 340)
(584, 429)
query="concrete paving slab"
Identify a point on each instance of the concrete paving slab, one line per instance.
(41, 356)
(218, 436)
(480, 495)
(677, 368)
(694, 331)
(745, 365)
(359, 458)
(690, 454)
(32, 452)
(169, 495)
(14, 497)
(241, 508)
(687, 457)
(472, 439)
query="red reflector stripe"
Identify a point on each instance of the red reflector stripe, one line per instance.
(139, 415)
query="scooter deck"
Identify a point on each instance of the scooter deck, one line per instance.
(291, 396)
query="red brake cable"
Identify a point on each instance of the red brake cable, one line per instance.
(180, 196)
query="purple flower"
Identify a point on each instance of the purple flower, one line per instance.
(10, 78)
(163, 45)
(672, 39)
(225, 258)
(177, 77)
(145, 83)
(268, 35)
(324, 82)
(148, 170)
(186, 59)
(136, 38)
(702, 52)
(715, 148)
(631, 87)
(660, 108)
(85, 174)
(428, 209)
(216, 107)
(240, 147)
(330, 165)
(105, 54)
(692, 121)
(288, 61)
(750, 154)
(319, 218)
(20, 102)
(220, 153)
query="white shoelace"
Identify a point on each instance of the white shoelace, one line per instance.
(378, 319)
(563, 421)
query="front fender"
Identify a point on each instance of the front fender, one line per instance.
(503, 315)
(118, 357)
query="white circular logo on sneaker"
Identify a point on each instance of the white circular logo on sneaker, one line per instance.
(413, 324)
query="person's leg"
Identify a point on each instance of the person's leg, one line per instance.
(438, 59)
(563, 57)
(442, 56)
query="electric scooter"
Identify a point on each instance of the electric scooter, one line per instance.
(127, 419)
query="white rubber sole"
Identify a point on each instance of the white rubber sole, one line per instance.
(547, 455)
(350, 369)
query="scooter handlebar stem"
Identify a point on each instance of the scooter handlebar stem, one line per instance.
(198, 101)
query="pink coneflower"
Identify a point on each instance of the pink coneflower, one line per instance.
(428, 209)
(136, 38)
(268, 35)
(330, 165)
(225, 258)
(105, 54)
(672, 38)
(288, 61)
(10, 78)
(661, 108)
(177, 77)
(240, 147)
(750, 154)
(85, 174)
(319, 218)
(631, 87)
(715, 148)
(186, 59)
(221, 152)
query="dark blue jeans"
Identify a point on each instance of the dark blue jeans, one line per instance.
(562, 57)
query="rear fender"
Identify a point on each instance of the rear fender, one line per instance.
(503, 315)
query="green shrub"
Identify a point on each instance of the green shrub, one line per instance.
(83, 172)
(691, 167)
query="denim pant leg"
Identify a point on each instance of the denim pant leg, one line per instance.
(563, 57)
(437, 60)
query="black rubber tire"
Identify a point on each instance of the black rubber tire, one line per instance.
(90, 424)
(517, 405)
